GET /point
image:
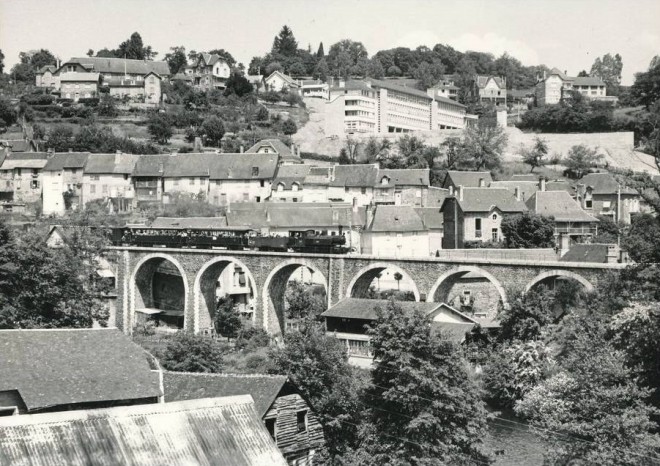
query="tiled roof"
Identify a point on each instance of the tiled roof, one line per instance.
(483, 80)
(289, 174)
(180, 386)
(453, 331)
(319, 176)
(604, 183)
(151, 165)
(121, 65)
(111, 164)
(587, 81)
(288, 79)
(18, 145)
(396, 218)
(527, 188)
(587, 253)
(189, 222)
(558, 204)
(212, 58)
(25, 160)
(467, 179)
(218, 431)
(278, 146)
(62, 160)
(484, 199)
(436, 196)
(559, 73)
(354, 175)
(527, 177)
(60, 367)
(45, 68)
(254, 79)
(74, 76)
(404, 177)
(365, 309)
(431, 216)
(449, 101)
(403, 82)
(376, 83)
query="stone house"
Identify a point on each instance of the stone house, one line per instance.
(147, 89)
(601, 194)
(76, 85)
(280, 82)
(72, 369)
(475, 214)
(288, 155)
(21, 176)
(109, 68)
(163, 433)
(402, 187)
(108, 177)
(348, 320)
(62, 182)
(148, 178)
(289, 184)
(210, 71)
(555, 86)
(46, 77)
(401, 231)
(289, 419)
(467, 179)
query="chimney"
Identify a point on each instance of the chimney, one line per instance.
(370, 214)
(482, 183)
(355, 205)
(70, 150)
(161, 168)
(451, 190)
(117, 157)
(566, 72)
(459, 192)
(542, 184)
(240, 149)
(516, 192)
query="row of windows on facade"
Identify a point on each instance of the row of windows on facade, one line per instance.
(202, 181)
(408, 98)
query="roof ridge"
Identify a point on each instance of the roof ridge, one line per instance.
(227, 374)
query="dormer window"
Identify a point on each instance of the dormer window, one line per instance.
(385, 180)
(280, 186)
(295, 187)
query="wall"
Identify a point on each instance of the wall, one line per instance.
(53, 202)
(106, 185)
(406, 244)
(489, 221)
(239, 191)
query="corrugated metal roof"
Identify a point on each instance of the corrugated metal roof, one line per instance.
(59, 367)
(191, 386)
(216, 431)
(365, 309)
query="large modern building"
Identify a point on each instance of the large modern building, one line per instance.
(374, 106)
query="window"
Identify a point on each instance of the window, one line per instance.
(295, 199)
(262, 183)
(494, 217)
(477, 227)
(18, 172)
(105, 189)
(271, 426)
(92, 189)
(94, 177)
(294, 187)
(255, 171)
(258, 198)
(607, 204)
(192, 181)
(363, 190)
(301, 418)
(346, 189)
(202, 181)
(34, 184)
(588, 203)
(494, 234)
(280, 187)
(175, 182)
(125, 176)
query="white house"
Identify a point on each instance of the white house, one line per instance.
(278, 81)
(62, 182)
(108, 177)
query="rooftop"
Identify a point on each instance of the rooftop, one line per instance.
(189, 222)
(61, 367)
(466, 179)
(587, 253)
(396, 218)
(355, 175)
(123, 65)
(376, 83)
(121, 164)
(558, 204)
(220, 431)
(485, 199)
(63, 160)
(365, 309)
(604, 183)
(74, 76)
(404, 177)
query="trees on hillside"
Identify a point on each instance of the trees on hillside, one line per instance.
(193, 353)
(132, 48)
(2, 62)
(8, 114)
(30, 62)
(580, 159)
(534, 156)
(237, 84)
(483, 145)
(212, 130)
(646, 88)
(160, 128)
(609, 70)
(176, 59)
(528, 230)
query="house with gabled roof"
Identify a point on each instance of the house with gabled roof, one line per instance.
(289, 184)
(572, 223)
(287, 416)
(49, 370)
(348, 320)
(475, 214)
(109, 67)
(490, 89)
(21, 176)
(219, 431)
(108, 177)
(467, 179)
(78, 85)
(407, 186)
(62, 182)
(210, 71)
(556, 85)
(46, 77)
(288, 155)
(279, 82)
(602, 194)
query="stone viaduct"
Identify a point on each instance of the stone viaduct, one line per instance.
(343, 276)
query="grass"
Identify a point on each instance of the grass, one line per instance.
(298, 114)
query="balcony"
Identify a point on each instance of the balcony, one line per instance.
(152, 184)
(571, 230)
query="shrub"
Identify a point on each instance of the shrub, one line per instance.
(192, 353)
(160, 128)
(271, 97)
(89, 101)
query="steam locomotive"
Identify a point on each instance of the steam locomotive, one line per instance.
(232, 238)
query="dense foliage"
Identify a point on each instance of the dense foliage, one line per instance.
(528, 230)
(193, 353)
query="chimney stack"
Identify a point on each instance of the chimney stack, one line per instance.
(241, 149)
(370, 215)
(516, 192)
(355, 205)
(460, 192)
(451, 190)
(542, 183)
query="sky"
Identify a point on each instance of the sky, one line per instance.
(567, 34)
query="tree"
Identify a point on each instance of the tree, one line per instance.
(580, 159)
(302, 302)
(238, 84)
(2, 62)
(646, 88)
(642, 239)
(285, 43)
(398, 277)
(318, 366)
(297, 69)
(212, 130)
(351, 149)
(262, 114)
(583, 74)
(289, 127)
(534, 157)
(135, 49)
(193, 353)
(272, 67)
(592, 396)
(375, 69)
(344, 55)
(107, 106)
(528, 230)
(30, 62)
(528, 314)
(394, 71)
(43, 287)
(423, 406)
(428, 74)
(7, 113)
(60, 138)
(176, 59)
(321, 70)
(226, 320)
(225, 55)
(484, 145)
(609, 70)
(320, 53)
(160, 128)
(376, 149)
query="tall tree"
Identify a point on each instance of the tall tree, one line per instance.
(428, 74)
(321, 71)
(646, 88)
(534, 156)
(609, 70)
(580, 159)
(176, 59)
(224, 54)
(30, 63)
(135, 49)
(285, 43)
(484, 145)
(2, 62)
(320, 53)
(424, 407)
(344, 55)
(528, 231)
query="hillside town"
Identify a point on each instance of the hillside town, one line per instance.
(287, 252)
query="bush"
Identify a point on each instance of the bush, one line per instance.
(39, 99)
(192, 353)
(253, 338)
(213, 129)
(271, 97)
(89, 101)
(289, 127)
(160, 128)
